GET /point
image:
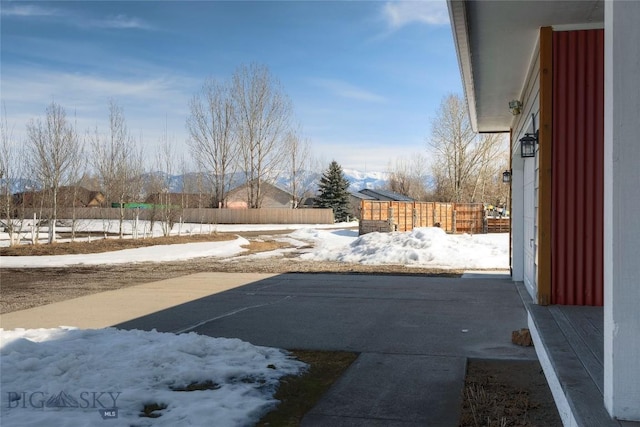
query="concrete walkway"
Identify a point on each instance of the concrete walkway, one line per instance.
(112, 307)
(414, 334)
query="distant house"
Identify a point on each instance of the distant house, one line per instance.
(183, 200)
(385, 195)
(309, 202)
(68, 197)
(272, 197)
(355, 200)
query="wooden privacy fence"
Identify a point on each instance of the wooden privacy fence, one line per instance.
(498, 225)
(385, 216)
(202, 215)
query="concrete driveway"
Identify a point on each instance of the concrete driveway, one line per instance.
(414, 335)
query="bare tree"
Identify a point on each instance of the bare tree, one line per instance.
(409, 177)
(10, 170)
(460, 156)
(298, 167)
(488, 185)
(263, 119)
(77, 172)
(53, 147)
(213, 136)
(118, 162)
(165, 161)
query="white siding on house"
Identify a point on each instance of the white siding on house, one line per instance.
(525, 184)
(621, 204)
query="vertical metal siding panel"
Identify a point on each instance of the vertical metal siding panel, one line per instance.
(578, 168)
(598, 296)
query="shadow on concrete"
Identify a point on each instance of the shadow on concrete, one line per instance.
(414, 335)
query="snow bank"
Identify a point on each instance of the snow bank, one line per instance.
(70, 377)
(424, 247)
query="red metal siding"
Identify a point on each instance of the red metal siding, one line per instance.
(578, 168)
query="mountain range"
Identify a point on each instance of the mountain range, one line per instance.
(358, 180)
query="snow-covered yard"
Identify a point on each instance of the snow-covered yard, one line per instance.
(423, 247)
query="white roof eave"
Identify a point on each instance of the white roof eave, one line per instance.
(458, 18)
(495, 42)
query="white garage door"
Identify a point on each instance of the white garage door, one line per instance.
(529, 226)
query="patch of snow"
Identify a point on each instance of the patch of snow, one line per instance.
(159, 253)
(67, 377)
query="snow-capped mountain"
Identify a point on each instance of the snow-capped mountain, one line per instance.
(160, 181)
(359, 180)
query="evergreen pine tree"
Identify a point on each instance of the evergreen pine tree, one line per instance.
(333, 192)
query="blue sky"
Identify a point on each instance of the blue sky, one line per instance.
(365, 77)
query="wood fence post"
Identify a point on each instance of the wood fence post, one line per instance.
(453, 220)
(433, 205)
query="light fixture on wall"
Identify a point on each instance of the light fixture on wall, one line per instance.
(515, 106)
(506, 176)
(529, 140)
(528, 144)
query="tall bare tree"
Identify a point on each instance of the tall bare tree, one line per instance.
(166, 164)
(298, 167)
(409, 177)
(10, 170)
(53, 147)
(488, 185)
(460, 156)
(213, 137)
(263, 118)
(118, 162)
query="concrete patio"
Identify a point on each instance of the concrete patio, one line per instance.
(414, 334)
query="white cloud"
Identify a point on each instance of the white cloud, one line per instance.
(401, 13)
(73, 18)
(149, 103)
(24, 85)
(27, 10)
(123, 22)
(347, 90)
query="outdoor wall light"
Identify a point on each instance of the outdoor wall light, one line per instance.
(506, 176)
(528, 144)
(515, 107)
(529, 140)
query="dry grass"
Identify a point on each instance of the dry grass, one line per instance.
(298, 394)
(507, 394)
(256, 246)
